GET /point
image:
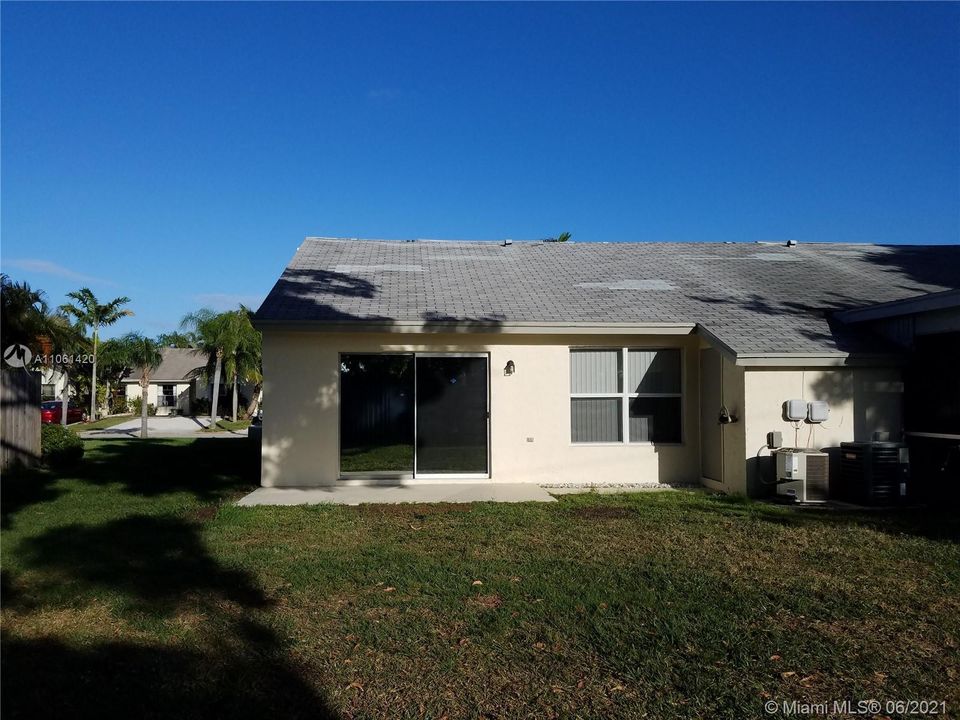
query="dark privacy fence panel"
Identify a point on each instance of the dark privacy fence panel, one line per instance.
(376, 413)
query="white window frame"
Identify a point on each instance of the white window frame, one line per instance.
(625, 396)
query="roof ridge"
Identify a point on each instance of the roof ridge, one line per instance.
(528, 241)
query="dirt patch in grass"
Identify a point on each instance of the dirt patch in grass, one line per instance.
(413, 510)
(203, 514)
(602, 512)
(487, 602)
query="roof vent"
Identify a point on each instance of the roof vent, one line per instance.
(791, 243)
(508, 241)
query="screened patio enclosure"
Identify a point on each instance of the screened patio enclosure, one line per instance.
(414, 415)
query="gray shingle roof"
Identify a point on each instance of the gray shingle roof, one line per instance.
(179, 365)
(755, 298)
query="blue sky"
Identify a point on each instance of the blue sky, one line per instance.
(178, 153)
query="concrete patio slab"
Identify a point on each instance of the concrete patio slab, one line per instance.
(374, 494)
(606, 489)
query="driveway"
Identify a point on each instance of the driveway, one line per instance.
(160, 427)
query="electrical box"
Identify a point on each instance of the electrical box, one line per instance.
(818, 411)
(774, 439)
(795, 410)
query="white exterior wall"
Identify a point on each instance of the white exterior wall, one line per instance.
(49, 376)
(181, 391)
(134, 391)
(301, 417)
(862, 401)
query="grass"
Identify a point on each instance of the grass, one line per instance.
(102, 423)
(132, 585)
(228, 425)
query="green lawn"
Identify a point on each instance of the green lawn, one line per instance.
(223, 424)
(132, 588)
(101, 424)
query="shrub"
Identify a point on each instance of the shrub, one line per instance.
(200, 406)
(136, 407)
(118, 404)
(59, 446)
(101, 398)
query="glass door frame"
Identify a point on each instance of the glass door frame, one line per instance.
(452, 476)
(388, 475)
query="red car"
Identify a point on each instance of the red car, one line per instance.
(50, 412)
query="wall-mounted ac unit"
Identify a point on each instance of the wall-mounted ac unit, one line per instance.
(803, 475)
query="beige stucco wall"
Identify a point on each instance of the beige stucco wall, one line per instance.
(734, 397)
(862, 401)
(530, 410)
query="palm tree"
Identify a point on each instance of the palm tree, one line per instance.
(67, 341)
(176, 340)
(251, 361)
(112, 364)
(245, 363)
(144, 355)
(24, 315)
(217, 335)
(90, 313)
(26, 319)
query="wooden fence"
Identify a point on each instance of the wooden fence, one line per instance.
(19, 417)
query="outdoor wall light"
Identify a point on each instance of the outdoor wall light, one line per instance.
(510, 368)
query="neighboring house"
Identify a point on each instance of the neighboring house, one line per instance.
(51, 384)
(178, 383)
(576, 363)
(174, 385)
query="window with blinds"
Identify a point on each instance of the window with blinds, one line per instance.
(626, 395)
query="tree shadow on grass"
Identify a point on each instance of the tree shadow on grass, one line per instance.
(47, 678)
(157, 564)
(22, 487)
(156, 573)
(939, 524)
(207, 467)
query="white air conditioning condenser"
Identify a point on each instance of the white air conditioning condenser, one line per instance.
(803, 475)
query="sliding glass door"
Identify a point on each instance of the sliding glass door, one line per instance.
(376, 414)
(451, 415)
(405, 415)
